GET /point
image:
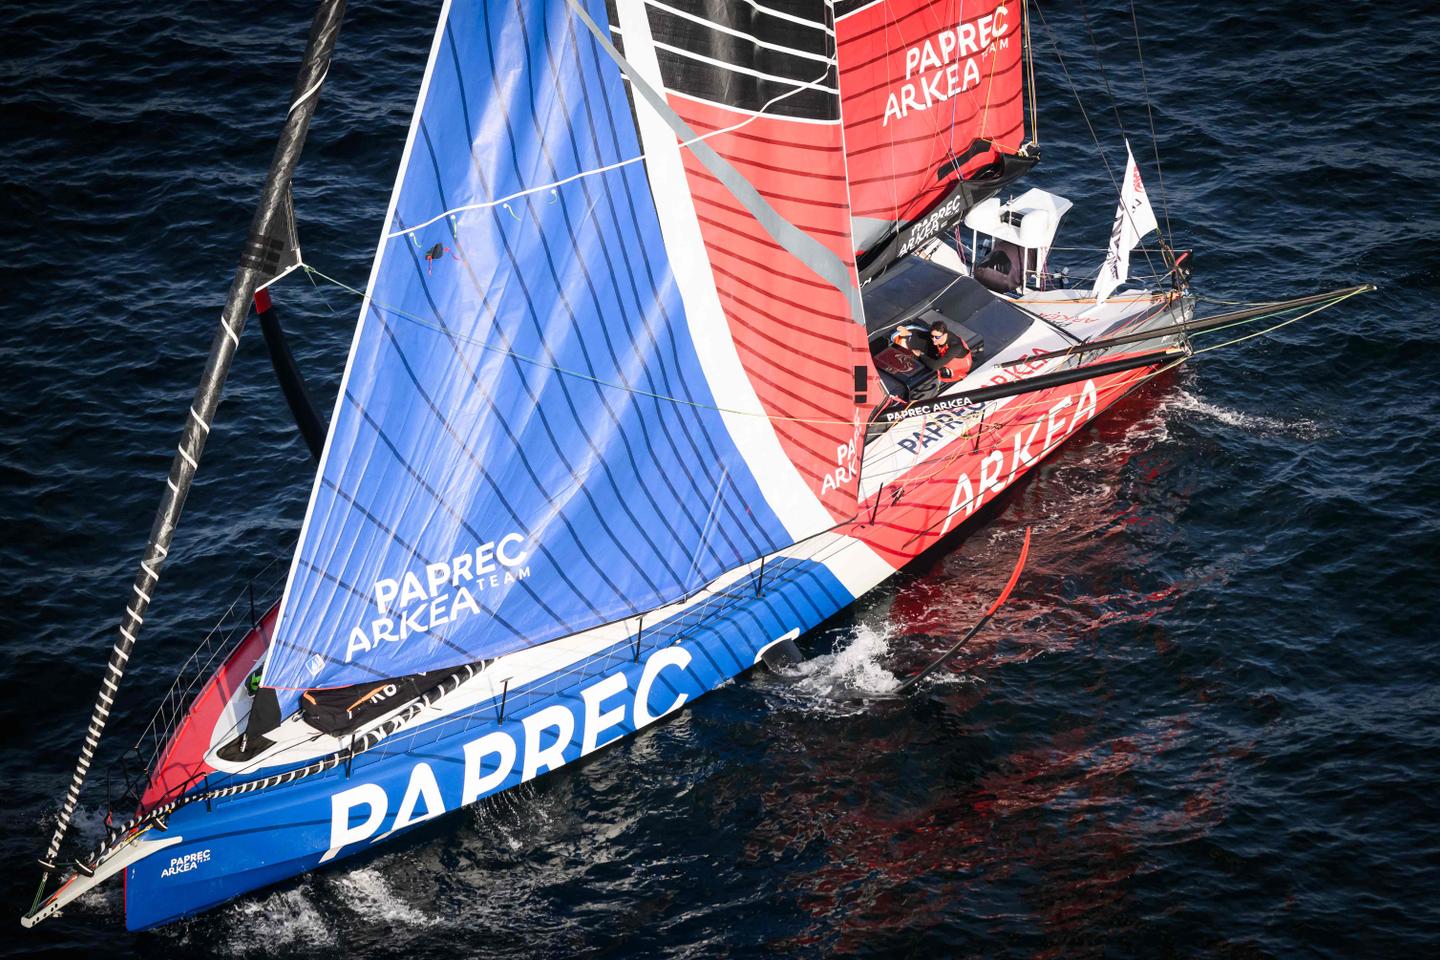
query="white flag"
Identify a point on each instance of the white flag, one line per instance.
(1133, 219)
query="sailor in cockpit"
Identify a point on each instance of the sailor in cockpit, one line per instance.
(941, 350)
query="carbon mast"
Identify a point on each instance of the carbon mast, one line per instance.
(262, 258)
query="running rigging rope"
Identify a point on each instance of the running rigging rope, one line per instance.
(312, 272)
(1154, 141)
(118, 835)
(1165, 244)
(322, 37)
(1084, 114)
(1030, 75)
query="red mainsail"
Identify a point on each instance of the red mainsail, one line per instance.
(920, 83)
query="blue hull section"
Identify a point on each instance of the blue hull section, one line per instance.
(250, 841)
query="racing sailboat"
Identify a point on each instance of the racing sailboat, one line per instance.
(631, 403)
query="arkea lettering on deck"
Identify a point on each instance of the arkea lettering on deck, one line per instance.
(1026, 446)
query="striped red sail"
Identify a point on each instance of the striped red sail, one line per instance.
(756, 84)
(920, 83)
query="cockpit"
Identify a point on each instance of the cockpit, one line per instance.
(918, 293)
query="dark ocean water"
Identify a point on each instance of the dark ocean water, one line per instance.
(1205, 725)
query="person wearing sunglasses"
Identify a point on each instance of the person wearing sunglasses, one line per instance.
(939, 349)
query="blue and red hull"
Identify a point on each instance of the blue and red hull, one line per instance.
(242, 843)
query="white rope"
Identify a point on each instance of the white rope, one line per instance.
(490, 204)
(738, 33)
(311, 92)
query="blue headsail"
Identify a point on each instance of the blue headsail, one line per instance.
(526, 443)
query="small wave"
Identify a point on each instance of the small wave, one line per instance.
(853, 672)
(368, 887)
(266, 925)
(1147, 432)
(1304, 429)
(87, 825)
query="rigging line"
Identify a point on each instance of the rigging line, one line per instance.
(615, 386)
(319, 47)
(335, 759)
(936, 25)
(969, 433)
(1100, 65)
(1030, 71)
(1115, 108)
(1284, 323)
(1154, 141)
(563, 370)
(400, 722)
(989, 94)
(984, 114)
(567, 372)
(1099, 250)
(954, 101)
(490, 204)
(1203, 298)
(1050, 34)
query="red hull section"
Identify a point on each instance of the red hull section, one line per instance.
(182, 763)
(916, 508)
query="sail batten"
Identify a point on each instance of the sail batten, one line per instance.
(559, 411)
